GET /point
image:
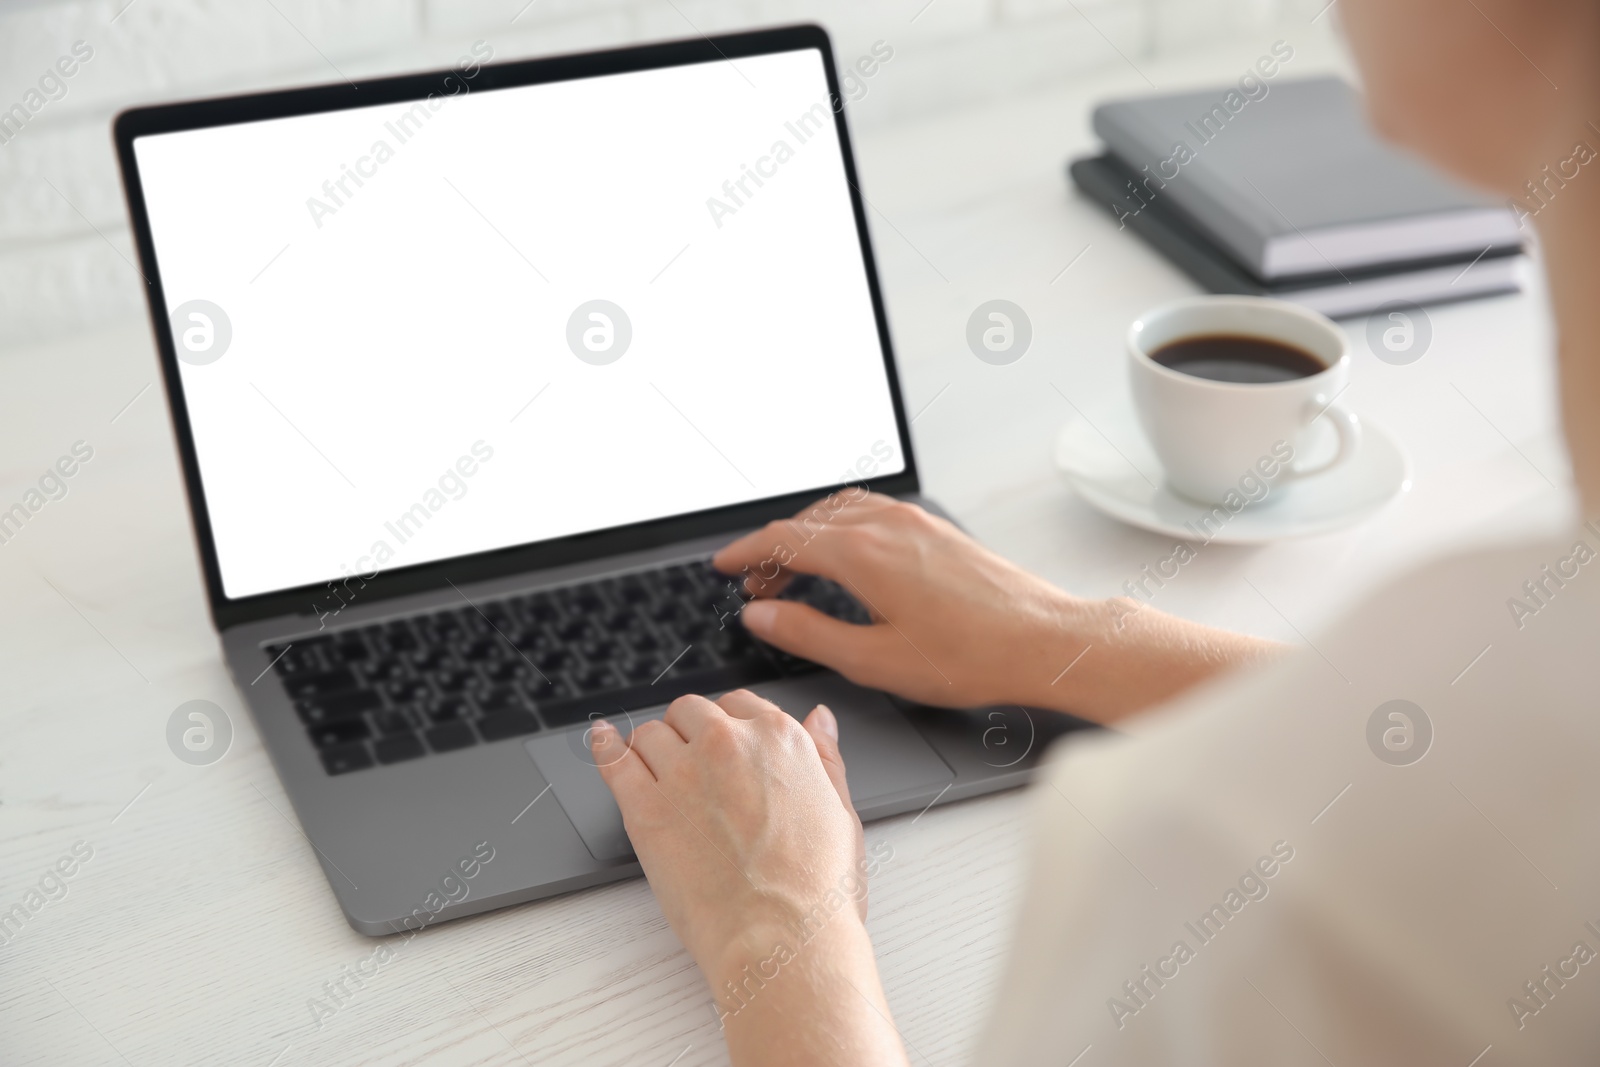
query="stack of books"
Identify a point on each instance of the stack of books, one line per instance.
(1285, 192)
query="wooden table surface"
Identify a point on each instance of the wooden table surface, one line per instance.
(200, 930)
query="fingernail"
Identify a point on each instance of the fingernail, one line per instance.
(601, 733)
(830, 725)
(758, 615)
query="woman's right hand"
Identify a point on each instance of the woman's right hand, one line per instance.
(955, 625)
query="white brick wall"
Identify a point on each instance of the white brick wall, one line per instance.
(65, 256)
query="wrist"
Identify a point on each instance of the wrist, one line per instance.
(761, 955)
(1059, 635)
(806, 1002)
(1119, 656)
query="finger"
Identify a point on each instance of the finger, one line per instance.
(806, 632)
(624, 773)
(743, 704)
(658, 745)
(690, 715)
(848, 505)
(824, 731)
(763, 552)
(801, 547)
(756, 585)
(771, 556)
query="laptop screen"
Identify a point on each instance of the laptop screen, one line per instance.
(416, 331)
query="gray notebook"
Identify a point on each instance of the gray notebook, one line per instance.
(1294, 182)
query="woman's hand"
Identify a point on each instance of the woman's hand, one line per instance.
(956, 625)
(741, 818)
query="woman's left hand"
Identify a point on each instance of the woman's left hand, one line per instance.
(741, 819)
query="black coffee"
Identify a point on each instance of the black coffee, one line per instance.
(1231, 358)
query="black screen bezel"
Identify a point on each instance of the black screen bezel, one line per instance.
(143, 121)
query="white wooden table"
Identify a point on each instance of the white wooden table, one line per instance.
(202, 927)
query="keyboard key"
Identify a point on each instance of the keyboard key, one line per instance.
(582, 601)
(503, 698)
(295, 658)
(454, 681)
(430, 660)
(449, 710)
(338, 732)
(554, 686)
(398, 747)
(555, 660)
(541, 609)
(693, 659)
(504, 724)
(451, 736)
(640, 641)
(641, 670)
(328, 682)
(596, 679)
(580, 629)
(695, 629)
(346, 758)
(349, 705)
(392, 722)
(510, 670)
(734, 643)
(408, 691)
(398, 636)
(384, 670)
(533, 636)
(671, 611)
(313, 646)
(345, 705)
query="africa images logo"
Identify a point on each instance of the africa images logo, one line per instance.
(201, 332)
(1399, 732)
(999, 332)
(199, 732)
(599, 332)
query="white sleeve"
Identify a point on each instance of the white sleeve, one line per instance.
(1245, 881)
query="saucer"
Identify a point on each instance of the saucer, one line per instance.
(1353, 491)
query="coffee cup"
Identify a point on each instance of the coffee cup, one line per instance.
(1226, 386)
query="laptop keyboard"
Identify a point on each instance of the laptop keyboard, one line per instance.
(407, 688)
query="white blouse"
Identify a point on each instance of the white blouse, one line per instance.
(1287, 867)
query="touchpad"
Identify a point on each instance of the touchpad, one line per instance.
(886, 758)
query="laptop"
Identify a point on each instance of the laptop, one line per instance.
(470, 373)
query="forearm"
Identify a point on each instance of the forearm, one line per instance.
(786, 1001)
(1569, 227)
(1108, 659)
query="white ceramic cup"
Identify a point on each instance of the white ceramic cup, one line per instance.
(1211, 435)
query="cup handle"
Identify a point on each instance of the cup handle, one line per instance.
(1345, 424)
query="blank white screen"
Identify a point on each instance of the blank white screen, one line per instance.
(376, 344)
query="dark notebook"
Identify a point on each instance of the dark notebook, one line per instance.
(1292, 181)
(1160, 223)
